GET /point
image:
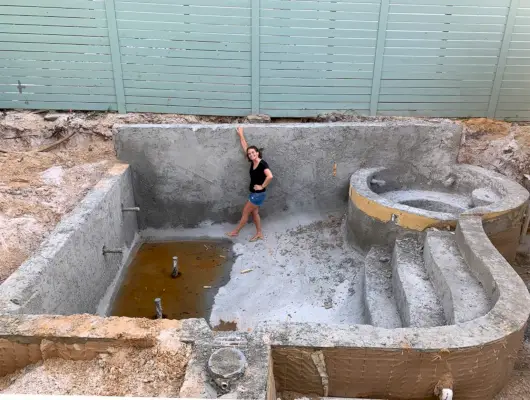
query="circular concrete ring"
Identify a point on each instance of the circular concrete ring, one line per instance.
(227, 363)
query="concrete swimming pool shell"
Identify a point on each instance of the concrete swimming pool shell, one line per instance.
(383, 273)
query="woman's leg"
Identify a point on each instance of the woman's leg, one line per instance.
(247, 210)
(257, 222)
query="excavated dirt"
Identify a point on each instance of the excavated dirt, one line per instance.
(153, 372)
(38, 187)
(496, 145)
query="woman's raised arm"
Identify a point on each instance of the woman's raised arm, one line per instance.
(244, 144)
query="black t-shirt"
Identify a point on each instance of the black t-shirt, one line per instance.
(257, 176)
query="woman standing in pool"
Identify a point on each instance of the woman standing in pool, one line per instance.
(260, 177)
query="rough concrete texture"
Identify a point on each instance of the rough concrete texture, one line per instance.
(430, 200)
(479, 353)
(380, 304)
(417, 301)
(186, 174)
(462, 296)
(227, 363)
(303, 271)
(197, 382)
(483, 197)
(69, 273)
(377, 213)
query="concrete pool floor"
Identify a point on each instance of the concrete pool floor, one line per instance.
(303, 271)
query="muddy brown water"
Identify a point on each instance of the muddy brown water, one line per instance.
(204, 267)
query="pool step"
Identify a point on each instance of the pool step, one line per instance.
(379, 302)
(416, 298)
(463, 297)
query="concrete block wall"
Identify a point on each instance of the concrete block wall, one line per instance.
(69, 273)
(186, 174)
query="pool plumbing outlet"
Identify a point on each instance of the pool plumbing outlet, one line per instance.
(175, 271)
(107, 250)
(158, 308)
(130, 209)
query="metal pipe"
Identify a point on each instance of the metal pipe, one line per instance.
(525, 225)
(112, 251)
(175, 272)
(136, 209)
(158, 308)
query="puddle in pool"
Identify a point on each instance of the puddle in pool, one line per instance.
(225, 326)
(204, 266)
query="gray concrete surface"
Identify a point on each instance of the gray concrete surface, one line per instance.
(463, 297)
(303, 271)
(69, 273)
(442, 197)
(416, 298)
(380, 304)
(198, 383)
(186, 174)
(430, 200)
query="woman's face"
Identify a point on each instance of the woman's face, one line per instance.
(252, 154)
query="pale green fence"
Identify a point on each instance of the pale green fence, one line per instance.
(285, 58)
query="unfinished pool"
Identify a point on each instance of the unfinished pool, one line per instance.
(311, 308)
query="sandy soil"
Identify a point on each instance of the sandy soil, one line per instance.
(496, 145)
(152, 372)
(38, 187)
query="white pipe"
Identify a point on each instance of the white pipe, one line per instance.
(447, 394)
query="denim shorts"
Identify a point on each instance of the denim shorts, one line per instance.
(257, 198)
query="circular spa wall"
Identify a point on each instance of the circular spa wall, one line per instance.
(385, 202)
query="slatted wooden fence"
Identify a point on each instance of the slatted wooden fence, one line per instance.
(285, 58)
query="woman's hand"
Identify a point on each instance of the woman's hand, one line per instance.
(244, 144)
(258, 187)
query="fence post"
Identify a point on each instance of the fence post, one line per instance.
(379, 54)
(114, 40)
(503, 55)
(255, 84)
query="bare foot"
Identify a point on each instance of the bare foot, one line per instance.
(232, 234)
(257, 236)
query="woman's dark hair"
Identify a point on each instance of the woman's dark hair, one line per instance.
(259, 151)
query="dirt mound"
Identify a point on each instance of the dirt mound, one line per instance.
(496, 145)
(152, 372)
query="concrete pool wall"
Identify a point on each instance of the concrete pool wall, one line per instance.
(183, 175)
(186, 174)
(69, 274)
